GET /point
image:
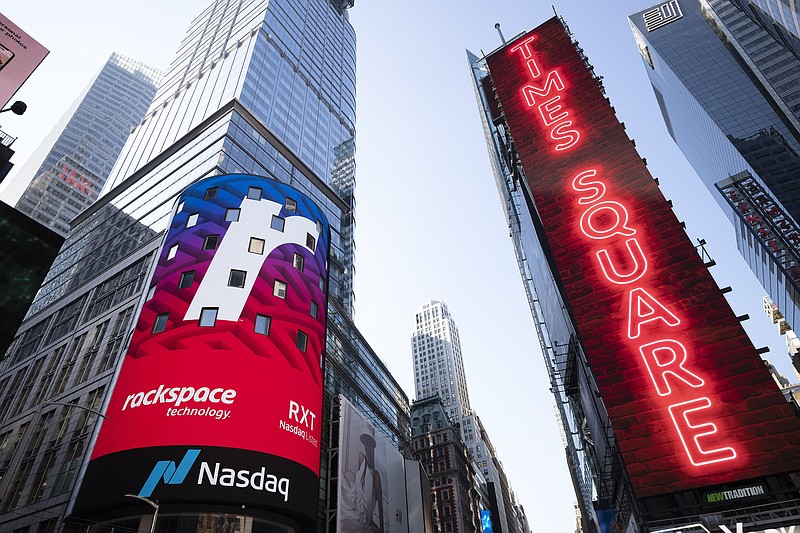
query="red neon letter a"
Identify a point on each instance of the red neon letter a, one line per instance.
(691, 434)
(643, 308)
(660, 367)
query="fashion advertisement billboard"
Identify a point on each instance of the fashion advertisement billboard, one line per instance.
(219, 397)
(20, 54)
(372, 486)
(688, 396)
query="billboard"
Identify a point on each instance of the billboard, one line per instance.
(20, 54)
(372, 484)
(689, 399)
(219, 397)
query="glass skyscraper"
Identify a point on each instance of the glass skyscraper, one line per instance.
(726, 76)
(68, 171)
(264, 87)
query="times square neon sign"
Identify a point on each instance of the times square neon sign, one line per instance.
(624, 263)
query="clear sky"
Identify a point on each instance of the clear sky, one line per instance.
(429, 221)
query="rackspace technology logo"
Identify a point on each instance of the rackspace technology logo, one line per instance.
(215, 475)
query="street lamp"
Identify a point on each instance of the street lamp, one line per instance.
(68, 404)
(17, 108)
(152, 504)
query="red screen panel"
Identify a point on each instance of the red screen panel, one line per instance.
(689, 398)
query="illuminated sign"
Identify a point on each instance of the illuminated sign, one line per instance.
(688, 396)
(219, 397)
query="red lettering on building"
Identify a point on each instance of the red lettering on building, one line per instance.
(665, 359)
(546, 97)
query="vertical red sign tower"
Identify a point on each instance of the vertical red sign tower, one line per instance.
(689, 398)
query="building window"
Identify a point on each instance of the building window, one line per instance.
(310, 241)
(236, 278)
(279, 289)
(192, 220)
(211, 193)
(172, 252)
(151, 292)
(254, 193)
(180, 207)
(210, 242)
(298, 261)
(277, 223)
(186, 279)
(314, 309)
(302, 340)
(263, 322)
(291, 205)
(208, 316)
(256, 246)
(232, 214)
(161, 323)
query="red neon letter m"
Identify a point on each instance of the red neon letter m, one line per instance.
(691, 433)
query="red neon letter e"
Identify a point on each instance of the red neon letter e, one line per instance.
(660, 367)
(643, 308)
(691, 434)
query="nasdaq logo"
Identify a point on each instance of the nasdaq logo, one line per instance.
(169, 472)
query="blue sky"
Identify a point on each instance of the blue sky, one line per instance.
(429, 221)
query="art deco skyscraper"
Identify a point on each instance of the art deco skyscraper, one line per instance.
(438, 364)
(68, 171)
(264, 87)
(439, 372)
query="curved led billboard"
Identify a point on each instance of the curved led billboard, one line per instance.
(690, 400)
(219, 397)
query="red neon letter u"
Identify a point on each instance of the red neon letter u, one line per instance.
(636, 272)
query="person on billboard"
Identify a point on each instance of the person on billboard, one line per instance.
(362, 507)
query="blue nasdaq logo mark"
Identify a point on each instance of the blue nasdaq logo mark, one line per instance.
(169, 472)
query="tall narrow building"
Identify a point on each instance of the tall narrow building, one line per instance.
(66, 173)
(258, 87)
(727, 81)
(438, 364)
(439, 373)
(646, 359)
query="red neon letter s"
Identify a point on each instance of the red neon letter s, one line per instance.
(643, 308)
(691, 434)
(639, 264)
(581, 184)
(659, 368)
(570, 137)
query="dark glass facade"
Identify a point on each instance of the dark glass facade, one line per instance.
(729, 93)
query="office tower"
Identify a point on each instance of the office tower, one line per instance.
(439, 372)
(257, 87)
(438, 364)
(778, 18)
(437, 444)
(66, 173)
(729, 93)
(646, 359)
